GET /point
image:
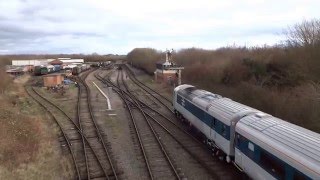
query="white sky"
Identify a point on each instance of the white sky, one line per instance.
(105, 26)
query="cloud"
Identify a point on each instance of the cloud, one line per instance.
(86, 26)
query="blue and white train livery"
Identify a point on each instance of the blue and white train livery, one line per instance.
(263, 146)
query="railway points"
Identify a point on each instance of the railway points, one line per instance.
(145, 134)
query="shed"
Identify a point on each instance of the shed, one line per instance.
(34, 62)
(52, 80)
(56, 62)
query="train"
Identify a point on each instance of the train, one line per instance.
(75, 69)
(80, 68)
(258, 144)
(43, 70)
(40, 70)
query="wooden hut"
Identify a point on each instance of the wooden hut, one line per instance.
(52, 80)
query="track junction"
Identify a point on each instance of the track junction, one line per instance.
(162, 146)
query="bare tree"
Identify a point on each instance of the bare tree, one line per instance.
(305, 34)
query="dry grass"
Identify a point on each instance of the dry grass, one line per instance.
(67, 101)
(19, 138)
(5, 80)
(28, 138)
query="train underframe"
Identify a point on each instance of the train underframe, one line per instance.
(216, 151)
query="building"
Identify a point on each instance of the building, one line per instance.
(70, 61)
(168, 72)
(52, 80)
(56, 62)
(44, 62)
(33, 62)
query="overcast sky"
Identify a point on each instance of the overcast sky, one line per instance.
(118, 26)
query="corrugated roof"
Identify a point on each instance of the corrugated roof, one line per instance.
(223, 108)
(294, 137)
(226, 109)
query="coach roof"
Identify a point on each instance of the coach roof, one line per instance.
(295, 144)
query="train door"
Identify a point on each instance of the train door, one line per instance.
(212, 128)
(206, 127)
(238, 153)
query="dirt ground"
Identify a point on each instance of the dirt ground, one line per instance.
(66, 101)
(46, 158)
(29, 138)
(149, 81)
(115, 126)
(120, 133)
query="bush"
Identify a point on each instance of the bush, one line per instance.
(266, 78)
(5, 80)
(144, 58)
(282, 80)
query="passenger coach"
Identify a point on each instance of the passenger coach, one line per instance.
(259, 144)
(270, 148)
(212, 115)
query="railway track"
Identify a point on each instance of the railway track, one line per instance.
(65, 142)
(158, 162)
(175, 137)
(171, 126)
(164, 101)
(90, 156)
(71, 133)
(89, 127)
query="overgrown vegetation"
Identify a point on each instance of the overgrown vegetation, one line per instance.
(283, 80)
(29, 149)
(28, 138)
(5, 80)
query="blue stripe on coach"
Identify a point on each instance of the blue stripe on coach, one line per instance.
(267, 161)
(212, 122)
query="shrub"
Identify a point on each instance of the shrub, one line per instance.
(282, 80)
(5, 80)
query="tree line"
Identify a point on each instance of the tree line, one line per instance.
(283, 80)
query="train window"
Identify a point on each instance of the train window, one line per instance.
(272, 165)
(213, 123)
(224, 132)
(251, 146)
(237, 140)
